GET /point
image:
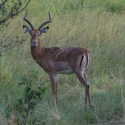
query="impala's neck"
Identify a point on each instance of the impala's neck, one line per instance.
(37, 51)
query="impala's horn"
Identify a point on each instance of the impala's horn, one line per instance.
(49, 21)
(28, 20)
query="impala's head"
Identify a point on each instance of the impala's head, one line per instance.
(35, 33)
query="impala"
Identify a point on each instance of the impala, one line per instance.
(57, 60)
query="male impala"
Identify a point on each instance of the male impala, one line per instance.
(57, 60)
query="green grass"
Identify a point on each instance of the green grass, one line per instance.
(96, 25)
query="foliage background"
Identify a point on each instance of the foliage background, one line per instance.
(93, 24)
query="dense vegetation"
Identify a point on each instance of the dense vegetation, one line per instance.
(93, 24)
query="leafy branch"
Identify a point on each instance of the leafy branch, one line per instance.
(11, 8)
(29, 100)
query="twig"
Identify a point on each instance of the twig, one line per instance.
(27, 113)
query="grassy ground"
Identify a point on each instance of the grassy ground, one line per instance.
(96, 25)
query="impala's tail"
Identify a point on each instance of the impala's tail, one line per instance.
(88, 60)
(85, 60)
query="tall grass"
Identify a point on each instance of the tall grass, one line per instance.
(96, 25)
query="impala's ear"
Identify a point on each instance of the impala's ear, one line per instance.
(44, 30)
(26, 29)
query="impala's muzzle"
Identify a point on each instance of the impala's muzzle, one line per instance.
(34, 43)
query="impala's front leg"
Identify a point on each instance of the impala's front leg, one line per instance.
(54, 85)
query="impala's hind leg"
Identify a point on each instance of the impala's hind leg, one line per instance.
(85, 75)
(82, 78)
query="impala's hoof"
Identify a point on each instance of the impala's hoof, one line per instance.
(89, 107)
(92, 108)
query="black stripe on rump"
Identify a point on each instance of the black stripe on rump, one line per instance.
(81, 61)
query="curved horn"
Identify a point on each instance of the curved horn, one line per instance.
(50, 20)
(28, 20)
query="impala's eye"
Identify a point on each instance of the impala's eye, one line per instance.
(39, 34)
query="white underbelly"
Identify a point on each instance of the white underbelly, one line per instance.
(68, 71)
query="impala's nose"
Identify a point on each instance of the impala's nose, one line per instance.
(34, 43)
